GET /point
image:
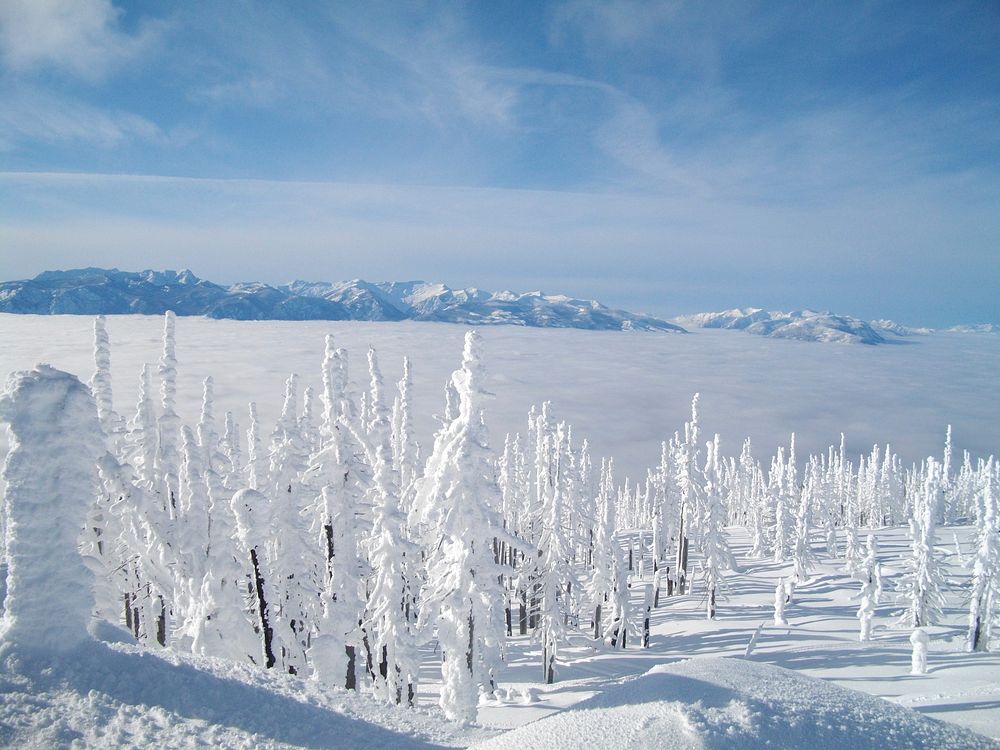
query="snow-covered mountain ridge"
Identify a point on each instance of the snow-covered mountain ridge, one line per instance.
(803, 325)
(97, 291)
(809, 325)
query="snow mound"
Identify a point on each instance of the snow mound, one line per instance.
(116, 695)
(732, 703)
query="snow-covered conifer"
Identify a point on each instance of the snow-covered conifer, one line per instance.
(391, 556)
(168, 424)
(920, 642)
(257, 467)
(463, 596)
(141, 437)
(922, 590)
(232, 450)
(252, 513)
(405, 451)
(716, 557)
(56, 439)
(870, 590)
(985, 571)
(100, 383)
(780, 594)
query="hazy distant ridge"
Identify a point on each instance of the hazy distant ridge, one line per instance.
(98, 291)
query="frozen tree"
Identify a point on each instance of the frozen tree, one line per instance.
(923, 581)
(920, 642)
(256, 468)
(776, 488)
(803, 556)
(100, 383)
(780, 595)
(463, 596)
(405, 451)
(233, 452)
(852, 551)
(985, 571)
(601, 585)
(50, 475)
(141, 436)
(307, 422)
(168, 424)
(391, 556)
(716, 557)
(374, 408)
(252, 513)
(685, 468)
(333, 653)
(290, 553)
(555, 574)
(870, 590)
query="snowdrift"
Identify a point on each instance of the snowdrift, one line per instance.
(732, 703)
(114, 695)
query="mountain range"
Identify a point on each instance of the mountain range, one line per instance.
(98, 291)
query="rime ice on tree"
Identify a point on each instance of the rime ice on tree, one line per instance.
(51, 477)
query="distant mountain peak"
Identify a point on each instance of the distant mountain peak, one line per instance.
(802, 325)
(99, 291)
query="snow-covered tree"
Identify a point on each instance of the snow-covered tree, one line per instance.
(985, 570)
(391, 556)
(168, 424)
(922, 589)
(100, 382)
(716, 557)
(870, 589)
(141, 437)
(780, 595)
(256, 469)
(463, 596)
(50, 475)
(252, 513)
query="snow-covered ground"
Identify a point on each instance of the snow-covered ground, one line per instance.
(117, 695)
(625, 392)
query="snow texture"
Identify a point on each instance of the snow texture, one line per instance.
(730, 703)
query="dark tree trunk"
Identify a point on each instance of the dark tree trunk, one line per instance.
(161, 624)
(472, 635)
(352, 659)
(262, 610)
(523, 613)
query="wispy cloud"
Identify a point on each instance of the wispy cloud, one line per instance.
(81, 37)
(33, 114)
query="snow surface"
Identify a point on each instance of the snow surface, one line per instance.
(733, 703)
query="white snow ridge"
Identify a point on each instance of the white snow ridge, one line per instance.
(732, 703)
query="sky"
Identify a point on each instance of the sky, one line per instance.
(666, 157)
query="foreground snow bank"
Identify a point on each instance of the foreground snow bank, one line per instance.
(731, 703)
(116, 695)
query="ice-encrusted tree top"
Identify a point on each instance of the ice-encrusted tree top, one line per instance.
(51, 476)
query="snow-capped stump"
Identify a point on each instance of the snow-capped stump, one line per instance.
(51, 476)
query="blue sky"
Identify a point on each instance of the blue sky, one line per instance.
(670, 157)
